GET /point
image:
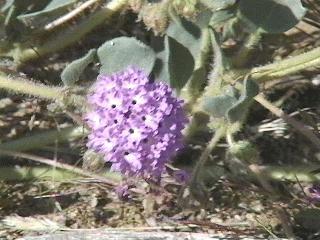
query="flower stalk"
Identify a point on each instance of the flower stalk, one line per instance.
(27, 87)
(287, 66)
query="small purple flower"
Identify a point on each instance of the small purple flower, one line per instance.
(182, 176)
(314, 193)
(136, 124)
(122, 192)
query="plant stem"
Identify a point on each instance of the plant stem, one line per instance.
(287, 66)
(192, 89)
(290, 173)
(243, 55)
(69, 36)
(197, 188)
(44, 138)
(34, 172)
(56, 164)
(27, 87)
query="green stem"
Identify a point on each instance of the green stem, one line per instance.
(287, 66)
(35, 172)
(113, 181)
(192, 90)
(197, 187)
(243, 55)
(28, 87)
(44, 138)
(70, 36)
(290, 173)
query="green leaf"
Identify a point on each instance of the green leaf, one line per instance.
(272, 16)
(180, 63)
(51, 12)
(119, 53)
(174, 64)
(230, 105)
(238, 111)
(219, 18)
(71, 74)
(218, 106)
(189, 33)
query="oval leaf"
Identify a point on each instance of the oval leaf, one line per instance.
(273, 16)
(218, 106)
(119, 53)
(189, 33)
(180, 63)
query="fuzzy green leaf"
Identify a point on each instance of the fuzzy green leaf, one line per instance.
(119, 53)
(189, 33)
(180, 63)
(174, 63)
(238, 111)
(219, 18)
(71, 74)
(218, 106)
(272, 16)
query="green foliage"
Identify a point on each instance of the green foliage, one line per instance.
(229, 105)
(71, 74)
(179, 63)
(272, 16)
(180, 50)
(219, 18)
(188, 33)
(218, 106)
(119, 53)
(244, 150)
(238, 111)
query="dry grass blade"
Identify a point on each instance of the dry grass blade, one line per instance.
(298, 126)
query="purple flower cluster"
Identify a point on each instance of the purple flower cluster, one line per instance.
(135, 124)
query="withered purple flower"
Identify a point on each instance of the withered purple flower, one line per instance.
(136, 124)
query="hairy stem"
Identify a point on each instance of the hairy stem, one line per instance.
(53, 163)
(290, 173)
(245, 52)
(27, 87)
(197, 188)
(287, 66)
(70, 36)
(192, 90)
(44, 138)
(35, 172)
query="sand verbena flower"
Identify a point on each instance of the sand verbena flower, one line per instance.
(135, 123)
